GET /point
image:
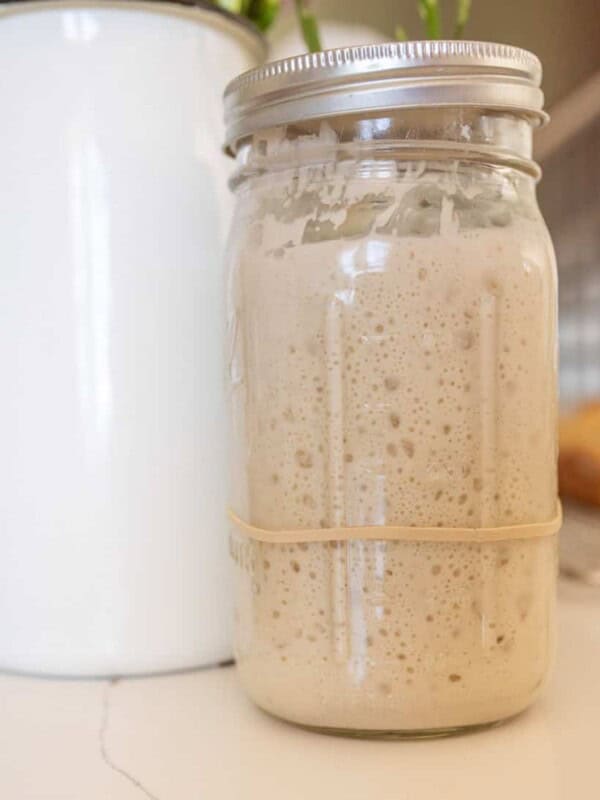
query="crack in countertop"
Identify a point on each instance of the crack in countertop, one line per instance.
(105, 755)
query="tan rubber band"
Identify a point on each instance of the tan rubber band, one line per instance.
(534, 530)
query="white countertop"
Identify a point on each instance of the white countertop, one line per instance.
(194, 736)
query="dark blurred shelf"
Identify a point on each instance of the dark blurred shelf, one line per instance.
(580, 544)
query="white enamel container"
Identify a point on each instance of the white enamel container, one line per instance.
(114, 208)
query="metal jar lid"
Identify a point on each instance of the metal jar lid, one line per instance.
(376, 78)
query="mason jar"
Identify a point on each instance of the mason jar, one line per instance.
(392, 329)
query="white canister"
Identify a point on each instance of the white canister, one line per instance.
(113, 213)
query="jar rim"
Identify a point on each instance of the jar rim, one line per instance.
(378, 78)
(236, 23)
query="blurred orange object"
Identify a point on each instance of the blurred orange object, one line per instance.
(579, 454)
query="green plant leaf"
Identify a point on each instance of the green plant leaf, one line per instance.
(308, 26)
(463, 11)
(429, 11)
(400, 33)
(263, 12)
(234, 6)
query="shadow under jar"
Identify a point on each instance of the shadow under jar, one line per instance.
(392, 319)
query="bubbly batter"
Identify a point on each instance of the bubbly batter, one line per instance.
(394, 364)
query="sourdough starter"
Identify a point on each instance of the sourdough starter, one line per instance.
(394, 364)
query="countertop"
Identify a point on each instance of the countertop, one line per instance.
(194, 736)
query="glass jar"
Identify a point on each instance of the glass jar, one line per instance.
(392, 318)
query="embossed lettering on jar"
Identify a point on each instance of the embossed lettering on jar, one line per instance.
(392, 318)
